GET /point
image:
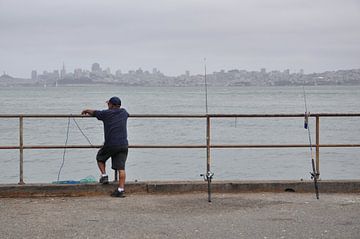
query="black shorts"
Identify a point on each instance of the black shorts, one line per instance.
(118, 156)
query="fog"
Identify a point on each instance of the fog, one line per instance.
(175, 36)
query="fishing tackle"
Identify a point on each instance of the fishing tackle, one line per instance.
(207, 178)
(306, 120)
(314, 174)
(209, 175)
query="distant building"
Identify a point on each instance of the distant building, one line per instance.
(139, 71)
(78, 73)
(63, 72)
(108, 71)
(155, 71)
(96, 67)
(118, 73)
(34, 75)
(56, 74)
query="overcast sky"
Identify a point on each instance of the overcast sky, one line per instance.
(175, 36)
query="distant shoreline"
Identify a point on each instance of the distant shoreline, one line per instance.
(223, 78)
(164, 86)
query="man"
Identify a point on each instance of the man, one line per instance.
(116, 143)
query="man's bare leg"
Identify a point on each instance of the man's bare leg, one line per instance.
(104, 179)
(101, 166)
(122, 177)
(120, 191)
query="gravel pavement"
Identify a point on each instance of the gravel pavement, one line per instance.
(243, 215)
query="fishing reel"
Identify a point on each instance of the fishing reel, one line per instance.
(208, 176)
(306, 120)
(314, 175)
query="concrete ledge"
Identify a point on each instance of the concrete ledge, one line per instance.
(166, 187)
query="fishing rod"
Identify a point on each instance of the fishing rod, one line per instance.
(209, 175)
(314, 174)
(206, 91)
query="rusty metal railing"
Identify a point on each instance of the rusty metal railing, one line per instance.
(208, 146)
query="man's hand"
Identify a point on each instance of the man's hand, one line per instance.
(88, 112)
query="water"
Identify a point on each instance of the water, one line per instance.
(183, 164)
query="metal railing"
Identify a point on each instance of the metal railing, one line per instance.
(208, 146)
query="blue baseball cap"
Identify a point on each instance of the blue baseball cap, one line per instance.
(114, 100)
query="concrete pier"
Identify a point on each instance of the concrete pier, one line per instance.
(239, 209)
(186, 215)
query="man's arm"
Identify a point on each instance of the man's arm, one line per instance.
(88, 112)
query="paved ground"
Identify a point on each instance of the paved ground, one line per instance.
(257, 215)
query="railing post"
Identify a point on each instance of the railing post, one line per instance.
(115, 175)
(318, 145)
(21, 149)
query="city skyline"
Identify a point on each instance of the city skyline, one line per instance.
(61, 71)
(96, 74)
(97, 67)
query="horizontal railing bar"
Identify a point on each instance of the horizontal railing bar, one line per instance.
(42, 116)
(167, 116)
(98, 146)
(282, 145)
(199, 146)
(186, 146)
(283, 115)
(51, 147)
(186, 115)
(336, 114)
(87, 116)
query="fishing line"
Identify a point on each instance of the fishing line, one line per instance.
(66, 140)
(77, 125)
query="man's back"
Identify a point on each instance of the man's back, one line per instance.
(115, 126)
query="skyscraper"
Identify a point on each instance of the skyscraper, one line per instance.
(95, 67)
(34, 76)
(63, 72)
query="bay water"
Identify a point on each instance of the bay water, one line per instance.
(182, 164)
